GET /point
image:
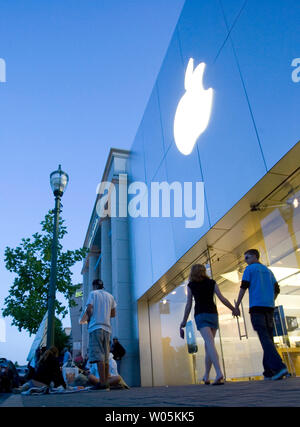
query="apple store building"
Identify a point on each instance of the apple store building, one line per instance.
(214, 170)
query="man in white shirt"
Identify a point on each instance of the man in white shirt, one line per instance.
(101, 306)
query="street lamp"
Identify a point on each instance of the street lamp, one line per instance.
(58, 181)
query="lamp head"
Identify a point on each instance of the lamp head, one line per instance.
(59, 181)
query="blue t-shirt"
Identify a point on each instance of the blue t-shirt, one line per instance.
(261, 283)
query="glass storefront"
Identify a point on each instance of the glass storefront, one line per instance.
(272, 227)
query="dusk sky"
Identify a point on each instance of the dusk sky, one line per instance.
(79, 75)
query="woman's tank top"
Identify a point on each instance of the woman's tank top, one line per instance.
(203, 293)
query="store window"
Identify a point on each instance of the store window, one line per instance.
(172, 364)
(274, 229)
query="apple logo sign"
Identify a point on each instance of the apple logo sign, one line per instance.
(194, 109)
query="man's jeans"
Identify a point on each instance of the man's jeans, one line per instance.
(119, 366)
(263, 324)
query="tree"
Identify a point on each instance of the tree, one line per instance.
(61, 339)
(31, 261)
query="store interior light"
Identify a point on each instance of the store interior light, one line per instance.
(287, 276)
(282, 273)
(294, 203)
(291, 281)
(232, 276)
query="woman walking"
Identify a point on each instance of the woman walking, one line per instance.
(202, 289)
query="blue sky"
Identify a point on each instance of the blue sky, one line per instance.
(79, 74)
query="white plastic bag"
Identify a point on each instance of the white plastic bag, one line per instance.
(69, 374)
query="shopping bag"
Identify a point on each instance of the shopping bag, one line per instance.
(69, 374)
(83, 320)
(191, 338)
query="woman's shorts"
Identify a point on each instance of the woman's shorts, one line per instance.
(210, 320)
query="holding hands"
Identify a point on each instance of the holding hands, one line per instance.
(236, 312)
(181, 331)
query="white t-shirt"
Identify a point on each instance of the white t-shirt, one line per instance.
(102, 303)
(113, 370)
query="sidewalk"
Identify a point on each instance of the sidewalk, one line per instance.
(236, 394)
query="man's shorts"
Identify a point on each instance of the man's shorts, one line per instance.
(99, 346)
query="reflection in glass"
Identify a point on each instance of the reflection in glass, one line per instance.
(275, 232)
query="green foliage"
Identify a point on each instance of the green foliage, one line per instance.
(61, 339)
(31, 262)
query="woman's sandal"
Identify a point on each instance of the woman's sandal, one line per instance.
(206, 382)
(219, 381)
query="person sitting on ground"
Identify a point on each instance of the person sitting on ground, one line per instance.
(47, 372)
(78, 360)
(114, 379)
(48, 369)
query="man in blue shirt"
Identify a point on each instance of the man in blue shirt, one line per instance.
(263, 290)
(67, 356)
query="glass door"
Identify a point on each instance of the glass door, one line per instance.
(239, 345)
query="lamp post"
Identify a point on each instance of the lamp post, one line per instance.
(58, 181)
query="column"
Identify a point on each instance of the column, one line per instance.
(106, 269)
(90, 273)
(93, 268)
(124, 325)
(145, 348)
(84, 332)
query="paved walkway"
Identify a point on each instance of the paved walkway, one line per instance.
(236, 394)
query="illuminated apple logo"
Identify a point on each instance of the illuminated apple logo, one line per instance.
(194, 109)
